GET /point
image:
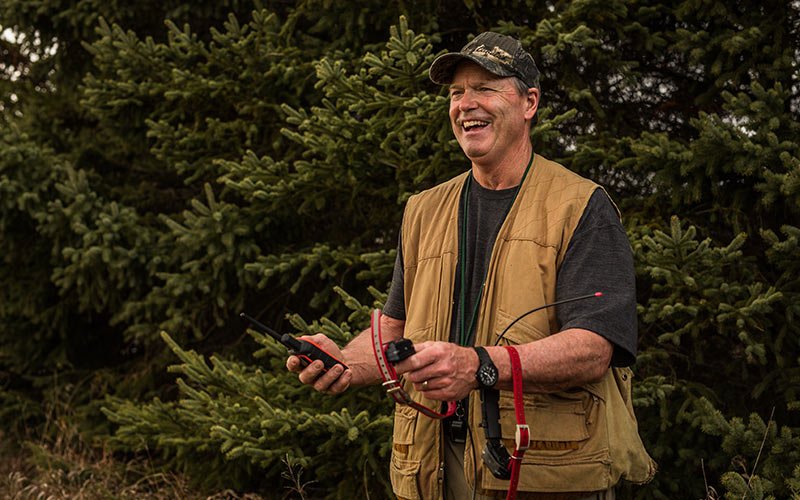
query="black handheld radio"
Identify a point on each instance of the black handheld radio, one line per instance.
(306, 350)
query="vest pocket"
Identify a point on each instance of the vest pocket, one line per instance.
(569, 442)
(402, 471)
(405, 424)
(525, 330)
(559, 426)
(424, 280)
(403, 474)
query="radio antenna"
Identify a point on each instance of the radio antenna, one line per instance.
(556, 303)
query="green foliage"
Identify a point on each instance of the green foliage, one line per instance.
(164, 166)
(241, 418)
(714, 318)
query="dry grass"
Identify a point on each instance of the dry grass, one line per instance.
(38, 471)
(68, 469)
(63, 465)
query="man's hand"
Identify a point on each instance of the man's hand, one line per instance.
(442, 371)
(334, 381)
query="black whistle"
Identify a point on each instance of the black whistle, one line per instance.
(306, 350)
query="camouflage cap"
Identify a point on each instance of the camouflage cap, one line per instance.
(498, 54)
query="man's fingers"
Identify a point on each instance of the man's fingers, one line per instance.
(426, 385)
(342, 383)
(334, 381)
(293, 364)
(311, 373)
(419, 360)
(431, 359)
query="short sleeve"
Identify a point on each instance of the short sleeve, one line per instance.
(599, 259)
(395, 305)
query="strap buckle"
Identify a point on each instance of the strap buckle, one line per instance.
(391, 386)
(522, 437)
(395, 390)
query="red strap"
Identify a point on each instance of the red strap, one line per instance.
(392, 383)
(522, 435)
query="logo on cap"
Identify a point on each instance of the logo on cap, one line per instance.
(495, 54)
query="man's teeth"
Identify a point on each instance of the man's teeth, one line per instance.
(468, 124)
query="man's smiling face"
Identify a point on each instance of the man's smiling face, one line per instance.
(488, 114)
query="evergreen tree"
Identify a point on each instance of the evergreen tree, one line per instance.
(163, 168)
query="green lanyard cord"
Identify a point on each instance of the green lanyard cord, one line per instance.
(464, 334)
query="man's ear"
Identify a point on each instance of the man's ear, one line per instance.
(532, 103)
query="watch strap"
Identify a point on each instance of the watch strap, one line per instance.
(483, 356)
(484, 360)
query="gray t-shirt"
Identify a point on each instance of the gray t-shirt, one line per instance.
(599, 258)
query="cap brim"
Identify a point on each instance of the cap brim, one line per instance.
(444, 67)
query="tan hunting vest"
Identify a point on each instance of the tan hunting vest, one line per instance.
(581, 440)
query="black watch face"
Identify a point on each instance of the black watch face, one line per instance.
(487, 375)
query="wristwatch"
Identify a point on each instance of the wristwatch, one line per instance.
(487, 374)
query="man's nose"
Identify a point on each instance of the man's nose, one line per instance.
(467, 101)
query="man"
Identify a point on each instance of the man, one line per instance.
(477, 252)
